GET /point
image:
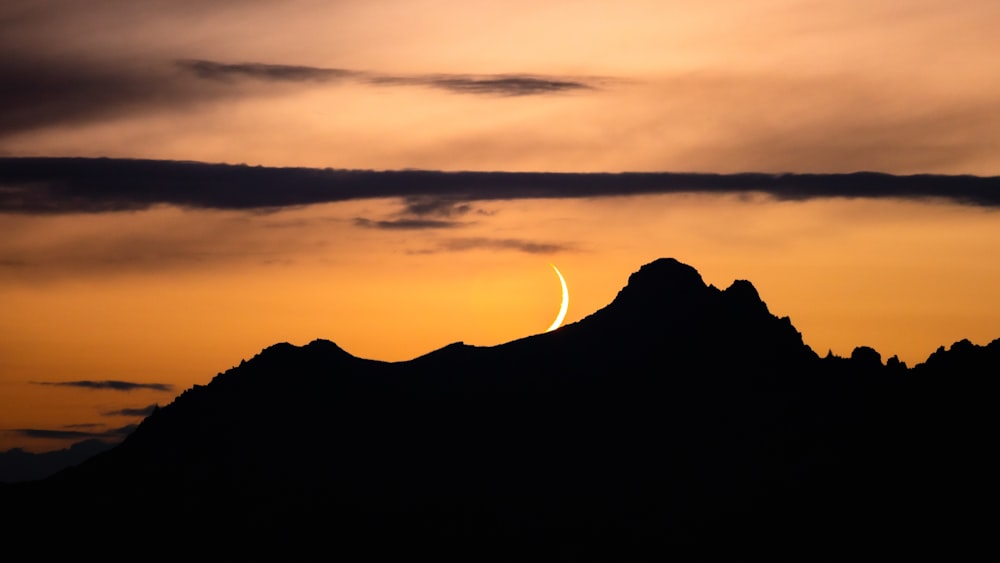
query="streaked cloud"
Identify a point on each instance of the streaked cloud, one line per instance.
(263, 71)
(405, 224)
(64, 434)
(440, 206)
(42, 91)
(109, 385)
(53, 434)
(495, 84)
(139, 411)
(426, 212)
(496, 244)
(480, 84)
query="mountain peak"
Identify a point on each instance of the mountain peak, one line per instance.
(318, 347)
(742, 295)
(665, 274)
(667, 310)
(663, 282)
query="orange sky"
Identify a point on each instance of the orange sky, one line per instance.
(171, 295)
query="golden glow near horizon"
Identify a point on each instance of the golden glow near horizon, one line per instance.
(175, 295)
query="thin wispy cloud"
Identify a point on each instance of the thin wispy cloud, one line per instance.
(262, 71)
(139, 411)
(53, 434)
(43, 91)
(438, 207)
(405, 224)
(476, 84)
(109, 385)
(64, 434)
(495, 244)
(488, 84)
(425, 212)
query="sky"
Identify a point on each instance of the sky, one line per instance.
(397, 175)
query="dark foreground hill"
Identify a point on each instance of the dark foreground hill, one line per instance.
(681, 419)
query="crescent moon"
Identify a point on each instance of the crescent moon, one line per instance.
(565, 301)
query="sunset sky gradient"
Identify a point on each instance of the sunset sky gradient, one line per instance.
(112, 305)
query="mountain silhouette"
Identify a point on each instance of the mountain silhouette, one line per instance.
(680, 419)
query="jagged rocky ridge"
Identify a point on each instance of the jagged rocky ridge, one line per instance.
(679, 417)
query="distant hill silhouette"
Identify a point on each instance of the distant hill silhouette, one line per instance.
(19, 465)
(680, 419)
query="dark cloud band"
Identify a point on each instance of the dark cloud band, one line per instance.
(74, 185)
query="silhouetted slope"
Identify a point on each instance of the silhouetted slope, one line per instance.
(679, 417)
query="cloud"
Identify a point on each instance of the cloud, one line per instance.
(508, 85)
(262, 71)
(61, 434)
(110, 384)
(142, 411)
(39, 92)
(488, 84)
(45, 90)
(53, 434)
(482, 84)
(75, 185)
(406, 224)
(436, 206)
(484, 243)
(418, 210)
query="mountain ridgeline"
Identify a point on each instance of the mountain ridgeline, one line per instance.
(679, 418)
